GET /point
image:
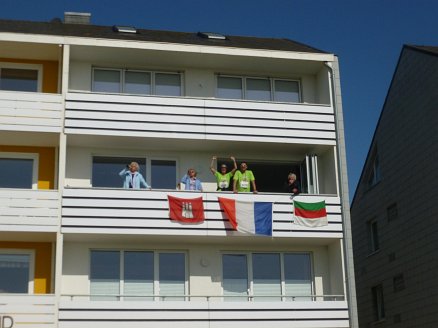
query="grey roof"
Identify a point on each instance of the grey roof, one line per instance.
(428, 49)
(57, 28)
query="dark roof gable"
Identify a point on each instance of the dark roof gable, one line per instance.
(58, 28)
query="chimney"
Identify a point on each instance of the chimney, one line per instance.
(77, 18)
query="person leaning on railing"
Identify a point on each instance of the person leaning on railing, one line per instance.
(243, 179)
(132, 178)
(190, 181)
(291, 186)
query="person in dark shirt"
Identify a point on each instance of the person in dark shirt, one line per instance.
(291, 186)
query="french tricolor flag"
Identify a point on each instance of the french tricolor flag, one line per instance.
(248, 217)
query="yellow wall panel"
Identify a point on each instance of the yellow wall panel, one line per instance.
(46, 163)
(50, 72)
(43, 263)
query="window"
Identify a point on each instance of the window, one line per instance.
(19, 170)
(105, 171)
(374, 174)
(258, 89)
(297, 276)
(20, 77)
(16, 271)
(392, 212)
(235, 276)
(267, 276)
(398, 283)
(136, 82)
(137, 275)
(373, 236)
(163, 174)
(378, 303)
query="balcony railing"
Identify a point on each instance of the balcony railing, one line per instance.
(205, 298)
(29, 210)
(30, 111)
(194, 118)
(19, 310)
(122, 211)
(237, 314)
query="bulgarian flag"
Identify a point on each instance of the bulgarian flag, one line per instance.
(310, 212)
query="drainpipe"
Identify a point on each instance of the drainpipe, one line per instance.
(333, 69)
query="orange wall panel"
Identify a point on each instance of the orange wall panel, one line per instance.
(43, 263)
(46, 163)
(50, 72)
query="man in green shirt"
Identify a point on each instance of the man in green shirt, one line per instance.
(223, 177)
(243, 179)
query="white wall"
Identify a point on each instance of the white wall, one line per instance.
(80, 76)
(200, 83)
(336, 268)
(308, 90)
(327, 172)
(322, 87)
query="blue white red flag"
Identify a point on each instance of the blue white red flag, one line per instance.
(248, 217)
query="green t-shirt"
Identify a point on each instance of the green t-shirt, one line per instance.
(244, 180)
(223, 180)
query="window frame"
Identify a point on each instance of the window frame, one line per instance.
(123, 80)
(271, 84)
(373, 236)
(156, 284)
(249, 262)
(25, 66)
(35, 166)
(378, 302)
(148, 166)
(31, 253)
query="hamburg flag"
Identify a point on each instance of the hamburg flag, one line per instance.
(189, 210)
(310, 214)
(248, 217)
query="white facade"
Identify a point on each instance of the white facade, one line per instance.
(83, 219)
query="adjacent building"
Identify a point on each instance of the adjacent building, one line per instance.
(79, 102)
(394, 211)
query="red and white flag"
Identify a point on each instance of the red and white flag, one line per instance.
(188, 210)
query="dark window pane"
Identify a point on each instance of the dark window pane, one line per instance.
(235, 276)
(105, 274)
(172, 275)
(258, 89)
(167, 84)
(106, 170)
(19, 79)
(266, 276)
(286, 91)
(106, 81)
(163, 175)
(14, 273)
(138, 83)
(297, 276)
(138, 275)
(229, 87)
(16, 173)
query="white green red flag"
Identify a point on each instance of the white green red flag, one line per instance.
(310, 213)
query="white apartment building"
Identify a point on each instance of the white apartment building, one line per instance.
(78, 102)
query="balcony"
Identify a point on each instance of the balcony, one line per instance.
(29, 210)
(28, 311)
(196, 118)
(77, 313)
(142, 212)
(30, 111)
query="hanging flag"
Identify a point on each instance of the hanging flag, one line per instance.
(310, 214)
(189, 210)
(248, 217)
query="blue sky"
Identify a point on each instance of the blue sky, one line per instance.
(366, 35)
